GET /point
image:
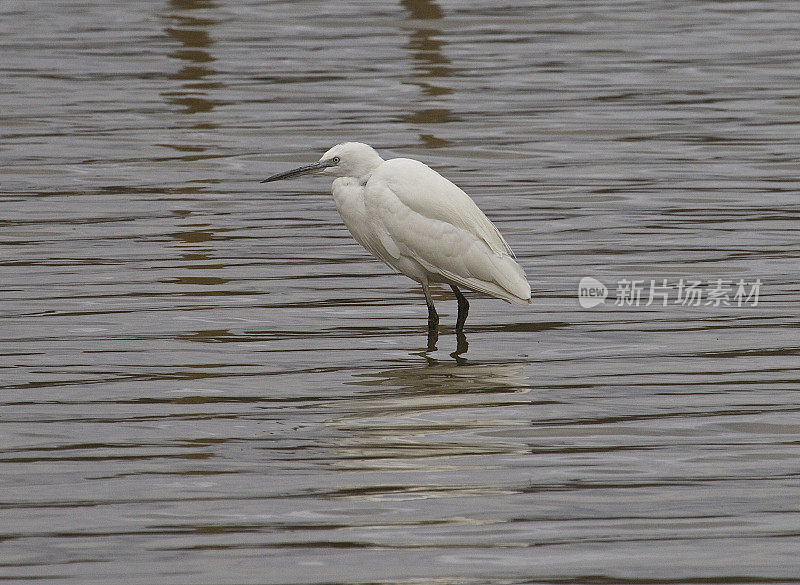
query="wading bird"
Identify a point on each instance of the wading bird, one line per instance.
(419, 223)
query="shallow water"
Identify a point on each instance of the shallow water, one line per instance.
(205, 380)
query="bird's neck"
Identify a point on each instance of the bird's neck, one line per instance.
(347, 184)
(353, 181)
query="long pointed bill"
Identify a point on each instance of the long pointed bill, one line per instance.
(304, 170)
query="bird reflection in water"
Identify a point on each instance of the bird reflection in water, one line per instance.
(432, 378)
(462, 346)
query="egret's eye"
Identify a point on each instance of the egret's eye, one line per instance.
(335, 160)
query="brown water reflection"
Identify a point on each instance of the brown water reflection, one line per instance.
(431, 70)
(193, 34)
(201, 381)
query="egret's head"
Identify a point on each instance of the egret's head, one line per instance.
(349, 159)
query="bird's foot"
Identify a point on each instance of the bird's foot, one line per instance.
(461, 347)
(433, 337)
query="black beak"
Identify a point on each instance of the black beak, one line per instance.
(304, 170)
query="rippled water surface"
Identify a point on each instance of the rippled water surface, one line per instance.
(205, 380)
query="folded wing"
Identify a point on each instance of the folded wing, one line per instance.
(426, 217)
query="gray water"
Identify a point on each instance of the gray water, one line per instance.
(205, 380)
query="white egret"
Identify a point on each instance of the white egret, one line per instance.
(419, 223)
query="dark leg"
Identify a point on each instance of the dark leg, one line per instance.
(433, 316)
(433, 337)
(463, 308)
(461, 347)
(433, 319)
